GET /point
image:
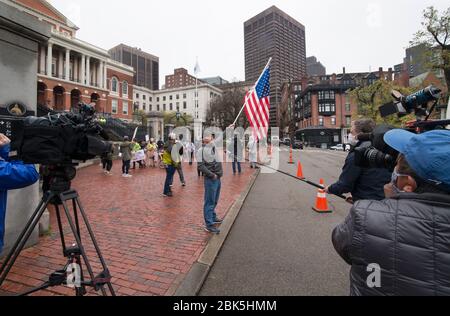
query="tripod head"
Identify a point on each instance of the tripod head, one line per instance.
(57, 178)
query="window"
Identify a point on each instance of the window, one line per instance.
(151, 99)
(348, 108)
(320, 121)
(333, 120)
(184, 96)
(144, 107)
(164, 107)
(157, 99)
(114, 85)
(144, 97)
(164, 98)
(125, 89)
(178, 97)
(185, 105)
(158, 108)
(114, 106)
(348, 121)
(125, 107)
(137, 95)
(171, 107)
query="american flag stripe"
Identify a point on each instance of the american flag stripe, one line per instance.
(257, 105)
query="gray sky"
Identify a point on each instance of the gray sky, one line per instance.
(357, 34)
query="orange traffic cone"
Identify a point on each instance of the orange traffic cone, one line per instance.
(321, 201)
(291, 156)
(300, 171)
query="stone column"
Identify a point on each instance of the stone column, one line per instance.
(67, 75)
(76, 69)
(88, 70)
(105, 84)
(100, 74)
(60, 64)
(42, 61)
(83, 70)
(49, 59)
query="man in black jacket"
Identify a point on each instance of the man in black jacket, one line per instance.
(400, 246)
(362, 183)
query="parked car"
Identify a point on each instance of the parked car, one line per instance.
(287, 141)
(298, 144)
(340, 147)
(275, 139)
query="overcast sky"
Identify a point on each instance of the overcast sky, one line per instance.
(357, 34)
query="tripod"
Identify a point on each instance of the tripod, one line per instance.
(58, 193)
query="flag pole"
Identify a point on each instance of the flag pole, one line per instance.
(242, 109)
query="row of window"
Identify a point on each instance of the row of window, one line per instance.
(158, 108)
(115, 86)
(144, 97)
(115, 107)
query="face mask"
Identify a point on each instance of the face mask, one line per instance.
(395, 176)
(352, 140)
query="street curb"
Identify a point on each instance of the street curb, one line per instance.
(194, 279)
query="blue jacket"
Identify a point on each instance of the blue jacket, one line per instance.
(362, 183)
(13, 175)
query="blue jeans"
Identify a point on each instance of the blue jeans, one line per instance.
(212, 195)
(170, 171)
(236, 161)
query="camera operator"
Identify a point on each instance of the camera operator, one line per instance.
(362, 183)
(13, 175)
(408, 234)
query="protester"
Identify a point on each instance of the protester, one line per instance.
(209, 164)
(13, 175)
(362, 183)
(407, 235)
(152, 152)
(136, 148)
(170, 161)
(253, 152)
(191, 152)
(198, 147)
(235, 149)
(180, 163)
(107, 161)
(125, 149)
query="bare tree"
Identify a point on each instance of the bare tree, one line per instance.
(224, 109)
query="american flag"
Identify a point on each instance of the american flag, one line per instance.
(257, 105)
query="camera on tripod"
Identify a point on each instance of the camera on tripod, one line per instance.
(374, 152)
(59, 138)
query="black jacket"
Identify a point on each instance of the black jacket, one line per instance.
(362, 183)
(407, 236)
(208, 162)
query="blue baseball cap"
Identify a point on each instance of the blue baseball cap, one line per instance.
(428, 154)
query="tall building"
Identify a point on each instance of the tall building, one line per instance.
(273, 33)
(146, 66)
(315, 67)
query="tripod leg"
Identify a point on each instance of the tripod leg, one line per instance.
(79, 244)
(23, 238)
(60, 228)
(94, 241)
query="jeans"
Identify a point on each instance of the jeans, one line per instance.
(107, 164)
(180, 173)
(212, 195)
(170, 172)
(126, 166)
(236, 161)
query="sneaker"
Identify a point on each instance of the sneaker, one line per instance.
(212, 230)
(218, 221)
(124, 175)
(170, 194)
(183, 184)
(128, 176)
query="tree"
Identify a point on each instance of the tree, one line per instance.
(370, 98)
(140, 117)
(435, 35)
(224, 109)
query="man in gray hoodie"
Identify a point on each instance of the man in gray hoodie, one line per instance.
(211, 167)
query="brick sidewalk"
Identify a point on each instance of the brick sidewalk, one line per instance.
(149, 242)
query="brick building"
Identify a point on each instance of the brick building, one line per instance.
(324, 108)
(179, 79)
(69, 70)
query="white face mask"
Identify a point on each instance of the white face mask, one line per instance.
(352, 140)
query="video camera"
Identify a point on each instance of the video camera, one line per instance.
(374, 152)
(55, 139)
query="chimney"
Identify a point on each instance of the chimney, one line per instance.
(390, 72)
(343, 71)
(333, 78)
(380, 73)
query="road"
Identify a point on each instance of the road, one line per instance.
(278, 244)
